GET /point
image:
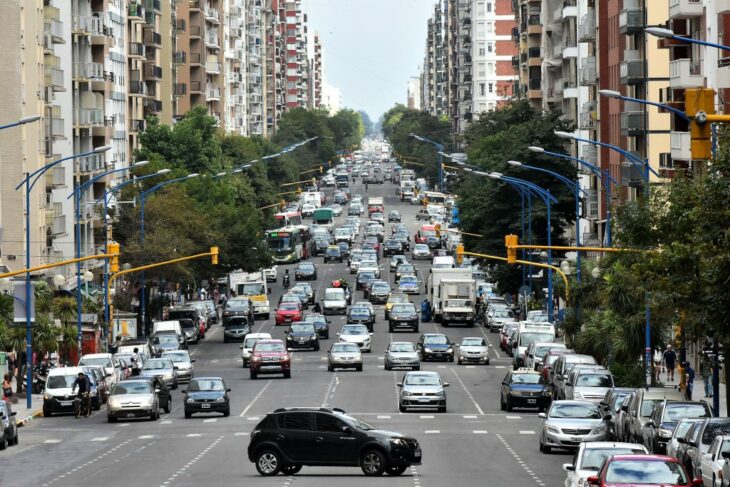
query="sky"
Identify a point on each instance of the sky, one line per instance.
(371, 48)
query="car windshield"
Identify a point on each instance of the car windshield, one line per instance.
(403, 308)
(421, 247)
(359, 313)
(503, 313)
(675, 412)
(402, 347)
(473, 342)
(364, 276)
(573, 410)
(158, 340)
(715, 429)
(237, 305)
(381, 287)
(354, 330)
(540, 319)
(408, 280)
(551, 359)
(302, 328)
(594, 380)
(60, 381)
(650, 472)
(156, 364)
(594, 457)
(406, 269)
(305, 266)
(334, 295)
(176, 357)
(287, 306)
(526, 378)
(436, 340)
(682, 428)
(206, 385)
(422, 380)
(345, 347)
(333, 251)
(527, 338)
(269, 347)
(132, 388)
(617, 400)
(250, 342)
(103, 361)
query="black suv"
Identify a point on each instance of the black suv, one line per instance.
(288, 439)
(302, 334)
(403, 315)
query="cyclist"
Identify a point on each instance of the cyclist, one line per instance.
(84, 385)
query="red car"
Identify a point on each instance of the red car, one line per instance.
(270, 357)
(288, 312)
(504, 335)
(549, 360)
(642, 470)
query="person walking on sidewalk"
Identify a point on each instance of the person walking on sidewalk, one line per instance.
(7, 387)
(670, 362)
(706, 373)
(690, 380)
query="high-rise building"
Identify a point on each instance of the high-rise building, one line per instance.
(413, 93)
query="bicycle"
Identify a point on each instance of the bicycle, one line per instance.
(82, 405)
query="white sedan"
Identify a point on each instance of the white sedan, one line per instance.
(590, 456)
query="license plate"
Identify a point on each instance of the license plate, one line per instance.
(532, 401)
(205, 406)
(424, 399)
(269, 367)
(131, 415)
(576, 439)
(66, 403)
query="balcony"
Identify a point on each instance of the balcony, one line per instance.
(515, 62)
(91, 163)
(152, 73)
(196, 88)
(180, 26)
(213, 93)
(633, 123)
(631, 21)
(54, 78)
(53, 28)
(570, 9)
(587, 28)
(179, 57)
(588, 120)
(137, 88)
(534, 90)
(631, 175)
(136, 50)
(211, 40)
(196, 5)
(179, 89)
(136, 126)
(632, 72)
(570, 47)
(683, 73)
(195, 32)
(534, 56)
(151, 38)
(212, 15)
(88, 71)
(685, 9)
(681, 145)
(534, 25)
(196, 58)
(589, 153)
(152, 107)
(212, 67)
(57, 127)
(89, 117)
(587, 74)
(135, 11)
(153, 5)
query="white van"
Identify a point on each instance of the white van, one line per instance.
(58, 397)
(528, 333)
(171, 325)
(442, 262)
(248, 344)
(334, 301)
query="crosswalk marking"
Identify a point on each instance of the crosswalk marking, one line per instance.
(167, 421)
(527, 432)
(52, 441)
(100, 438)
(193, 435)
(500, 367)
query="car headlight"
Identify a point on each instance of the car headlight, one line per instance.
(113, 402)
(313, 337)
(553, 429)
(398, 442)
(599, 429)
(289, 337)
(221, 399)
(427, 350)
(190, 400)
(449, 350)
(147, 404)
(665, 433)
(47, 396)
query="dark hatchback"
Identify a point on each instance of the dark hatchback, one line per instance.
(165, 341)
(207, 395)
(524, 389)
(236, 329)
(403, 315)
(288, 439)
(302, 335)
(305, 271)
(363, 278)
(435, 346)
(319, 246)
(361, 316)
(238, 307)
(321, 324)
(333, 254)
(392, 247)
(404, 240)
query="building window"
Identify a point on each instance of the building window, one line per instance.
(490, 26)
(490, 47)
(482, 89)
(482, 50)
(491, 87)
(481, 71)
(490, 68)
(489, 7)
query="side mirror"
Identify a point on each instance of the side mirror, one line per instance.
(726, 455)
(607, 417)
(649, 423)
(542, 415)
(568, 467)
(193, 360)
(176, 367)
(184, 391)
(399, 384)
(286, 332)
(13, 413)
(682, 440)
(371, 333)
(157, 390)
(338, 334)
(347, 430)
(698, 482)
(228, 390)
(446, 384)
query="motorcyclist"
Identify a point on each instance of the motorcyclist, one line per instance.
(84, 385)
(286, 278)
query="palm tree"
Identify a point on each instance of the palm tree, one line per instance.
(64, 309)
(43, 297)
(68, 341)
(45, 335)
(6, 309)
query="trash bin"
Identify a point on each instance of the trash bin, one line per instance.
(425, 311)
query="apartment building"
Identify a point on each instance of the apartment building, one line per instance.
(528, 36)
(255, 56)
(437, 69)
(317, 69)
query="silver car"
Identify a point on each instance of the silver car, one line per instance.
(357, 334)
(162, 368)
(421, 251)
(568, 423)
(422, 390)
(473, 350)
(344, 356)
(181, 359)
(401, 354)
(132, 399)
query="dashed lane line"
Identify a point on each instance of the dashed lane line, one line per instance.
(432, 432)
(192, 462)
(78, 467)
(520, 461)
(527, 432)
(468, 392)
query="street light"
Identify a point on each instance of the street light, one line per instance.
(669, 34)
(22, 121)
(574, 187)
(143, 198)
(439, 152)
(618, 96)
(606, 179)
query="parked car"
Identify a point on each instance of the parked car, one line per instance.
(207, 395)
(611, 404)
(270, 357)
(537, 350)
(133, 398)
(8, 426)
(524, 388)
(677, 441)
(568, 423)
(659, 427)
(344, 356)
(561, 369)
(590, 456)
(401, 354)
(497, 318)
(635, 470)
(422, 390)
(589, 383)
(698, 440)
(711, 465)
(347, 441)
(642, 404)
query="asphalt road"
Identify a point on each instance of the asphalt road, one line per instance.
(473, 444)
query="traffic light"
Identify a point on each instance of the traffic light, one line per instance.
(214, 255)
(509, 242)
(299, 190)
(314, 181)
(321, 169)
(698, 103)
(438, 230)
(113, 248)
(459, 254)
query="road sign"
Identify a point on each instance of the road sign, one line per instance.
(19, 302)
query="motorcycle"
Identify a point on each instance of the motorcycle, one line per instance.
(285, 281)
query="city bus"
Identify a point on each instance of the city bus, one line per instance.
(286, 244)
(435, 198)
(289, 218)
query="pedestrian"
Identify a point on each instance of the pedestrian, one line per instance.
(670, 362)
(690, 380)
(7, 387)
(706, 373)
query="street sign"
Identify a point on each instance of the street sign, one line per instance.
(19, 302)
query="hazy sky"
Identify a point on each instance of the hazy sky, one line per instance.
(371, 47)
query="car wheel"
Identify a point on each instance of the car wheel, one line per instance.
(154, 415)
(508, 405)
(168, 406)
(316, 348)
(395, 471)
(372, 463)
(442, 409)
(458, 362)
(386, 366)
(268, 463)
(417, 367)
(47, 412)
(225, 340)
(402, 408)
(291, 469)
(287, 374)
(227, 412)
(244, 363)
(253, 375)
(358, 368)
(16, 440)
(111, 418)
(544, 448)
(330, 368)
(502, 407)
(188, 414)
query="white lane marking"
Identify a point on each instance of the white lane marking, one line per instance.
(145, 437)
(241, 433)
(193, 435)
(513, 417)
(427, 417)
(397, 391)
(468, 393)
(329, 393)
(500, 367)
(167, 421)
(253, 418)
(52, 441)
(527, 432)
(470, 367)
(519, 460)
(100, 438)
(384, 416)
(188, 465)
(210, 420)
(480, 432)
(214, 361)
(256, 397)
(432, 432)
(468, 416)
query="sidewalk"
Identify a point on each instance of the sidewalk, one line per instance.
(699, 389)
(23, 415)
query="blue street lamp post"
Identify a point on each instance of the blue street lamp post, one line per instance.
(77, 193)
(605, 178)
(142, 199)
(440, 150)
(28, 183)
(22, 121)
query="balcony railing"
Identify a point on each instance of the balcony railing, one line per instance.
(88, 70)
(54, 78)
(195, 31)
(153, 5)
(587, 27)
(152, 38)
(89, 116)
(212, 15)
(179, 89)
(196, 58)
(137, 126)
(54, 28)
(196, 87)
(138, 88)
(631, 21)
(179, 57)
(135, 10)
(213, 92)
(57, 127)
(152, 72)
(213, 67)
(91, 163)
(136, 49)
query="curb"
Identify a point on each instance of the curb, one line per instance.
(28, 419)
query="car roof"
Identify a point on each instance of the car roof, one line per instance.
(208, 378)
(259, 335)
(66, 370)
(422, 372)
(645, 457)
(573, 401)
(591, 445)
(661, 393)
